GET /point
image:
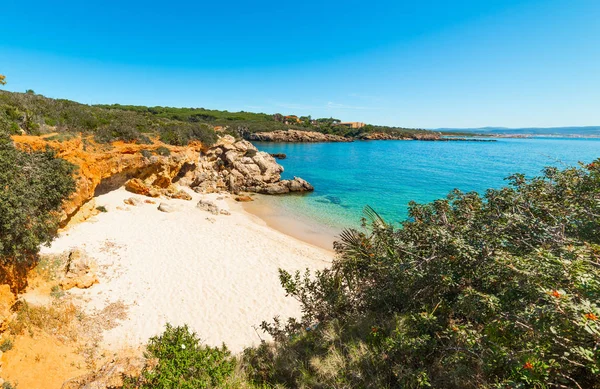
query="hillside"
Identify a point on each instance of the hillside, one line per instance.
(37, 115)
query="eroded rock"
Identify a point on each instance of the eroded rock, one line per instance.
(241, 167)
(80, 271)
(208, 206)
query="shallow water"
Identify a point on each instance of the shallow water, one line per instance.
(388, 174)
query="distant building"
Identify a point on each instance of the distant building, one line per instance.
(291, 119)
(351, 124)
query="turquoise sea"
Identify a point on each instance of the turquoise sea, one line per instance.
(388, 174)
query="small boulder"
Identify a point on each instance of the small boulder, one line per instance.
(208, 206)
(132, 201)
(80, 272)
(224, 212)
(277, 188)
(137, 186)
(243, 198)
(168, 208)
(299, 185)
(181, 195)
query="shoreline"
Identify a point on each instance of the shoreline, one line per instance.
(298, 227)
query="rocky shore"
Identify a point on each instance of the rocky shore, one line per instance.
(386, 136)
(294, 136)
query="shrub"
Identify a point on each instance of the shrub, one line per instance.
(34, 185)
(146, 153)
(180, 134)
(123, 132)
(162, 150)
(6, 345)
(183, 363)
(101, 208)
(493, 291)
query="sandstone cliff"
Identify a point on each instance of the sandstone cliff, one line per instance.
(229, 165)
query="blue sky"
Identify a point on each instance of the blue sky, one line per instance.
(425, 64)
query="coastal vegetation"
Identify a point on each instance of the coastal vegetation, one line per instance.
(182, 362)
(498, 290)
(34, 185)
(471, 291)
(37, 115)
(492, 290)
(260, 122)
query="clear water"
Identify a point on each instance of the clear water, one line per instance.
(388, 174)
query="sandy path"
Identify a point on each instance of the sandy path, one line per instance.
(220, 277)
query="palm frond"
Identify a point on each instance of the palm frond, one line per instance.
(372, 216)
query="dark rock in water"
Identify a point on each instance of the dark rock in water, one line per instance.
(334, 199)
(279, 155)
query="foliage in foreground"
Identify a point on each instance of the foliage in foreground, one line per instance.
(183, 363)
(493, 291)
(32, 188)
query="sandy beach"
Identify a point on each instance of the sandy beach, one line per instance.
(216, 273)
(294, 225)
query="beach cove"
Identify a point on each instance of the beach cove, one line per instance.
(216, 273)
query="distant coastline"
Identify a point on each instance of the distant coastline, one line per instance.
(526, 132)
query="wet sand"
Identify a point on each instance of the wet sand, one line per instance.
(301, 228)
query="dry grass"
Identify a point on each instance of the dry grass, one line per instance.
(62, 319)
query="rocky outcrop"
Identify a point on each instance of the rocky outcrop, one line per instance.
(230, 165)
(294, 136)
(237, 166)
(80, 272)
(399, 136)
(279, 155)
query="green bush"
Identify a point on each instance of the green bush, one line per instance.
(123, 132)
(180, 134)
(146, 153)
(162, 150)
(183, 363)
(6, 345)
(493, 291)
(34, 184)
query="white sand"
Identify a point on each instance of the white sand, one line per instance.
(220, 278)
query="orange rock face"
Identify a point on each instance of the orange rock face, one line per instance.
(102, 166)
